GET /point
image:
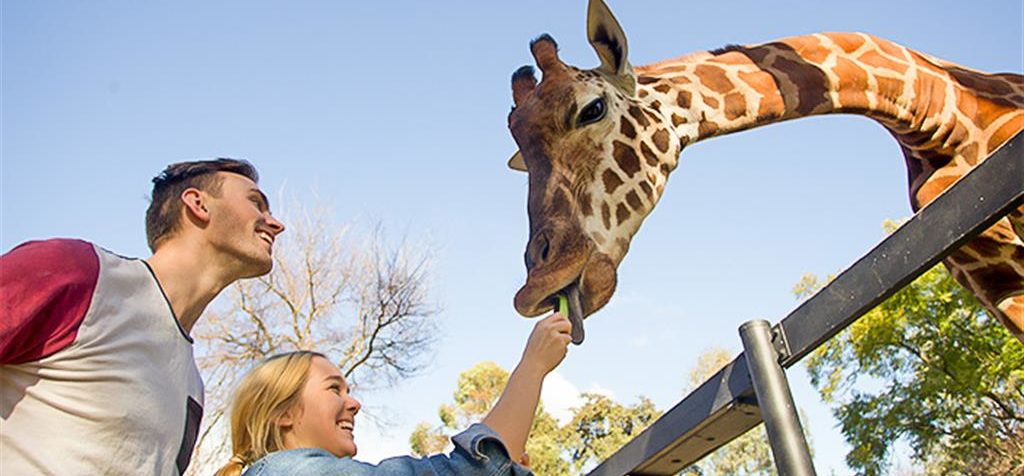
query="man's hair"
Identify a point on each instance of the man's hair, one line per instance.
(163, 217)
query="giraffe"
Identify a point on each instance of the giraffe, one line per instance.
(600, 144)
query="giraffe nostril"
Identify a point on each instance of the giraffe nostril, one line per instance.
(538, 250)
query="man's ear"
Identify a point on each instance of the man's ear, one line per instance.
(194, 201)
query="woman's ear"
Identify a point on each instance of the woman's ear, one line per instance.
(286, 421)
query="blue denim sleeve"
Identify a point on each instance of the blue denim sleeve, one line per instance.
(478, 451)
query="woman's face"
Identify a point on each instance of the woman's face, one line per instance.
(325, 415)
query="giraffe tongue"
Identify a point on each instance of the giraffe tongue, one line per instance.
(575, 313)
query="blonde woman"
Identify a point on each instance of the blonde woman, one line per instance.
(293, 415)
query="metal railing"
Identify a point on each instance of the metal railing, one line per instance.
(736, 399)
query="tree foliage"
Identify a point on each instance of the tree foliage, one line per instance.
(598, 428)
(357, 299)
(929, 367)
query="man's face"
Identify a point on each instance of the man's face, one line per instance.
(241, 225)
(325, 413)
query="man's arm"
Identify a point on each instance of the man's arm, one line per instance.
(46, 288)
(512, 417)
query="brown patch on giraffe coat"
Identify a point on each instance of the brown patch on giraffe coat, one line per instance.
(638, 116)
(848, 42)
(710, 101)
(889, 48)
(663, 88)
(660, 139)
(812, 91)
(808, 47)
(933, 187)
(677, 119)
(707, 128)
(985, 246)
(611, 181)
(683, 99)
(585, 205)
(930, 95)
(680, 80)
(665, 170)
(970, 153)
(714, 78)
(853, 84)
(889, 87)
(735, 106)
(962, 258)
(646, 80)
(875, 60)
(634, 201)
(998, 280)
(626, 128)
(646, 188)
(643, 93)
(731, 58)
(656, 104)
(649, 156)
(621, 214)
(651, 116)
(1005, 132)
(606, 216)
(626, 157)
(980, 81)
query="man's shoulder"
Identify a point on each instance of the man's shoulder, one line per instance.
(53, 248)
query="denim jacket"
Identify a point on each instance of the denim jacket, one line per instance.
(478, 451)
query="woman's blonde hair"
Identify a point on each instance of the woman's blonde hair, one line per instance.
(266, 393)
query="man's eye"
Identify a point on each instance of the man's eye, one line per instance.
(593, 112)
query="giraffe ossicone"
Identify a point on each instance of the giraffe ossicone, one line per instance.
(600, 144)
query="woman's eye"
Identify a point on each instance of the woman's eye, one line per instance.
(593, 112)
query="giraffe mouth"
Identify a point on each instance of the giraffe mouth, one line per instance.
(588, 285)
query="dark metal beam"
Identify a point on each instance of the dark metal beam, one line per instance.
(724, 407)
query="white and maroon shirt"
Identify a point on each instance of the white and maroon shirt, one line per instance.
(96, 374)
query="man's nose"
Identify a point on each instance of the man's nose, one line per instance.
(276, 227)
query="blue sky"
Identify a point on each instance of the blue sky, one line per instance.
(395, 111)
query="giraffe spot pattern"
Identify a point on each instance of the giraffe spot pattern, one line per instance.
(638, 116)
(735, 106)
(646, 188)
(606, 216)
(683, 99)
(649, 156)
(660, 139)
(621, 214)
(611, 181)
(714, 78)
(626, 128)
(634, 201)
(626, 158)
(586, 207)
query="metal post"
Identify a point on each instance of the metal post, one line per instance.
(785, 435)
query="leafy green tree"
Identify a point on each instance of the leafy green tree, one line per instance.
(477, 390)
(929, 367)
(601, 426)
(598, 428)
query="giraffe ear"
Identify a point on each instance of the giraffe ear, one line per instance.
(516, 162)
(606, 36)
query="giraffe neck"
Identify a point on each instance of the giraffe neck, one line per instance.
(921, 100)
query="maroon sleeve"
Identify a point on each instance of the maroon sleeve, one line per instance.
(45, 291)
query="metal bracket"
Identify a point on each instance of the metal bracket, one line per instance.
(780, 343)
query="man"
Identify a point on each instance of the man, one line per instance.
(97, 374)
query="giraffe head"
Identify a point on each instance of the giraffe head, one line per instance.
(597, 157)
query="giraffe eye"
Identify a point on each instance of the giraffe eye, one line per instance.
(593, 112)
